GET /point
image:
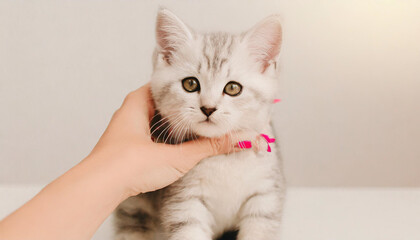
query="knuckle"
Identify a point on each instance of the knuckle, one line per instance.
(116, 113)
(129, 96)
(216, 145)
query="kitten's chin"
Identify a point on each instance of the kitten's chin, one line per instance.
(208, 129)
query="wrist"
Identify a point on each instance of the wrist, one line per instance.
(109, 173)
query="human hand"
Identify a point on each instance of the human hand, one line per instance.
(124, 163)
(127, 151)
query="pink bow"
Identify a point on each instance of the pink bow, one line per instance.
(269, 140)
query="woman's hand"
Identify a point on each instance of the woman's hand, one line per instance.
(141, 164)
(125, 162)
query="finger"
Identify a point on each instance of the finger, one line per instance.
(137, 109)
(141, 100)
(194, 151)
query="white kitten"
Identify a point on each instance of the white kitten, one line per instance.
(210, 85)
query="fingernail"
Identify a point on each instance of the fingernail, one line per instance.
(276, 100)
(245, 144)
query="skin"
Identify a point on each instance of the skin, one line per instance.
(125, 162)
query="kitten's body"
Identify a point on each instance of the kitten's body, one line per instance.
(234, 192)
(241, 191)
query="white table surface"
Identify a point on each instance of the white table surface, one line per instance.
(310, 213)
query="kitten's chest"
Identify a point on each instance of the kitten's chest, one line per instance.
(232, 172)
(227, 181)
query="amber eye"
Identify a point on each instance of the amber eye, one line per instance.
(190, 84)
(233, 89)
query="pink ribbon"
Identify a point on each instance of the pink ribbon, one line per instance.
(269, 140)
(248, 144)
(245, 144)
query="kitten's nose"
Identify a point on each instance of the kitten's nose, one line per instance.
(208, 111)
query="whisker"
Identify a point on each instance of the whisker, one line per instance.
(175, 127)
(163, 118)
(166, 128)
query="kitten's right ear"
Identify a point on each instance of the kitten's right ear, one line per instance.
(264, 41)
(171, 33)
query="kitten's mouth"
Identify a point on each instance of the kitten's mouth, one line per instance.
(208, 120)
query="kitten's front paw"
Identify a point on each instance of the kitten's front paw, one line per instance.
(192, 232)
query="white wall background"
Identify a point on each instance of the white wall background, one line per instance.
(350, 83)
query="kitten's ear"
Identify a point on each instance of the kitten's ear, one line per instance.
(264, 41)
(171, 33)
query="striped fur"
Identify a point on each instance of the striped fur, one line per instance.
(239, 195)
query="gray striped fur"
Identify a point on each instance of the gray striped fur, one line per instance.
(240, 194)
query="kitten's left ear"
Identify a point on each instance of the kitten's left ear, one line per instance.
(264, 41)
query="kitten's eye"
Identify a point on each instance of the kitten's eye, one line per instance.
(191, 84)
(233, 89)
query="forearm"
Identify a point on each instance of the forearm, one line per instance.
(124, 162)
(71, 207)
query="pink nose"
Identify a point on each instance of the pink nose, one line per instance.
(208, 111)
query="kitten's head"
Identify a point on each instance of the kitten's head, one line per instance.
(211, 84)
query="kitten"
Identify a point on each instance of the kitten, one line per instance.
(210, 85)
